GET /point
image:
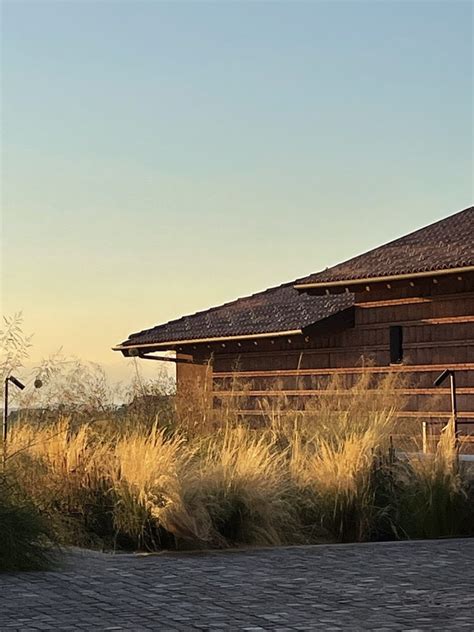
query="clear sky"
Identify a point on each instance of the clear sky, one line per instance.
(163, 157)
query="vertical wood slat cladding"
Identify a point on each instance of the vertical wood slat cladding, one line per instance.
(195, 381)
(438, 331)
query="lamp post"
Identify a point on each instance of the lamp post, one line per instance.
(452, 382)
(38, 384)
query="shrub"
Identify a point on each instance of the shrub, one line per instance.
(25, 536)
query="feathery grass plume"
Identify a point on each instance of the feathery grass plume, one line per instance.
(243, 484)
(148, 476)
(336, 484)
(322, 473)
(348, 405)
(335, 459)
(435, 499)
(65, 472)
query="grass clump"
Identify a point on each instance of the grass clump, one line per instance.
(435, 497)
(147, 471)
(342, 477)
(65, 473)
(241, 482)
(328, 475)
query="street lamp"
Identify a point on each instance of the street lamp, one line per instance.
(452, 382)
(21, 386)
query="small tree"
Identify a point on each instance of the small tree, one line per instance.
(14, 345)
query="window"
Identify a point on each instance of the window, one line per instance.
(396, 344)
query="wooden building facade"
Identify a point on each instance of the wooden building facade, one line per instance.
(406, 307)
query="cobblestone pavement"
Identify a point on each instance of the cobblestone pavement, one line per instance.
(394, 586)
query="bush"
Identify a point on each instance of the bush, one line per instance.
(25, 537)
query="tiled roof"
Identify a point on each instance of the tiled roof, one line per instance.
(278, 309)
(447, 244)
(444, 245)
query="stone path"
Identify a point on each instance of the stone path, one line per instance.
(394, 586)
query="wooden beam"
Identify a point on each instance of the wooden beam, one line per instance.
(177, 360)
(401, 414)
(401, 368)
(329, 392)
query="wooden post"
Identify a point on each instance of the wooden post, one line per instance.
(425, 436)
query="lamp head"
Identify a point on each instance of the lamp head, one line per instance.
(441, 377)
(16, 382)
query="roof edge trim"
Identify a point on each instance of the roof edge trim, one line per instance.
(301, 287)
(291, 332)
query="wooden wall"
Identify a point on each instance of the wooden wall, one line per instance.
(194, 387)
(438, 332)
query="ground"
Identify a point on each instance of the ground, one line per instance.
(381, 586)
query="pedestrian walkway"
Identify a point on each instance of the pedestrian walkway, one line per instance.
(393, 586)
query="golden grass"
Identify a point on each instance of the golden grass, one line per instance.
(438, 495)
(325, 475)
(241, 479)
(149, 470)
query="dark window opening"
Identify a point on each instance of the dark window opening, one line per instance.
(396, 344)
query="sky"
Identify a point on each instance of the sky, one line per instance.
(159, 158)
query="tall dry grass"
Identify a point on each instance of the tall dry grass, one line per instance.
(65, 472)
(435, 495)
(241, 479)
(148, 474)
(329, 474)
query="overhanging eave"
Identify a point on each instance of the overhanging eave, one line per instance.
(350, 285)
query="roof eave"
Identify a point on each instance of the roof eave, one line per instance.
(172, 344)
(343, 284)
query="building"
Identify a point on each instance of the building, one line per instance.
(407, 306)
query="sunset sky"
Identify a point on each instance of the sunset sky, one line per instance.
(160, 158)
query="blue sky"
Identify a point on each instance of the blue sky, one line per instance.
(160, 158)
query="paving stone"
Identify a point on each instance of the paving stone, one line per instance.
(407, 586)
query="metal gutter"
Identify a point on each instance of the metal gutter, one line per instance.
(175, 343)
